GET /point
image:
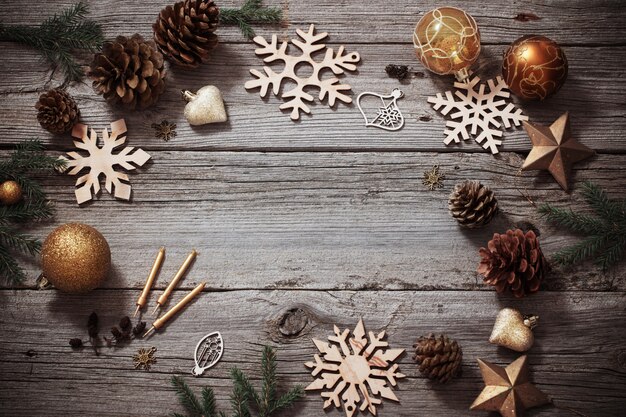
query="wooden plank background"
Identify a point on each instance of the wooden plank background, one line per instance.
(322, 217)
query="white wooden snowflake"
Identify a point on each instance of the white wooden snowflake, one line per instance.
(102, 161)
(355, 370)
(329, 87)
(478, 110)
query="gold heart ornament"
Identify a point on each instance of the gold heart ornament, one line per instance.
(513, 330)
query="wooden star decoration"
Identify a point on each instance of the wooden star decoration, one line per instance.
(508, 390)
(554, 149)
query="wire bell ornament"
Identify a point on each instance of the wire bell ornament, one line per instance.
(388, 116)
(208, 352)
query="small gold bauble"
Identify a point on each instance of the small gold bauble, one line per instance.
(75, 258)
(513, 330)
(10, 193)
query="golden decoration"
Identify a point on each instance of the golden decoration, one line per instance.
(10, 193)
(447, 41)
(144, 358)
(75, 258)
(433, 178)
(513, 330)
(508, 390)
(164, 130)
(554, 149)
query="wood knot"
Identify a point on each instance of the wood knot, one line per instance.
(293, 322)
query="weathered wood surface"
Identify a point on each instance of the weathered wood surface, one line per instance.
(322, 215)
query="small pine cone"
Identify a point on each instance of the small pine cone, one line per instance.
(185, 32)
(513, 260)
(57, 111)
(438, 357)
(128, 72)
(472, 204)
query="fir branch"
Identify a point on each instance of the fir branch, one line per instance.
(58, 36)
(9, 267)
(208, 402)
(241, 395)
(577, 222)
(251, 12)
(268, 388)
(288, 399)
(186, 396)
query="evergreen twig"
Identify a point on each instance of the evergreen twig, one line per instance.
(243, 393)
(605, 239)
(58, 36)
(251, 12)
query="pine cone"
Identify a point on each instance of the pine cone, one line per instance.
(184, 33)
(513, 260)
(57, 111)
(472, 204)
(438, 357)
(128, 72)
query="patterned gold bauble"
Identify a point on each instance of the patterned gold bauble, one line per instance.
(75, 258)
(10, 193)
(447, 41)
(534, 67)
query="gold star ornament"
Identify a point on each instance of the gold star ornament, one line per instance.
(554, 149)
(508, 390)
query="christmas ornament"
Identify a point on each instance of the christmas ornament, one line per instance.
(160, 322)
(472, 204)
(128, 72)
(10, 192)
(478, 109)
(447, 41)
(164, 130)
(144, 358)
(57, 111)
(205, 106)
(388, 116)
(508, 390)
(75, 258)
(534, 67)
(438, 357)
(349, 367)
(330, 87)
(102, 161)
(604, 233)
(513, 260)
(185, 33)
(513, 331)
(554, 149)
(208, 352)
(433, 178)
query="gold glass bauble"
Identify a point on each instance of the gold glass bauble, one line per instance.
(447, 41)
(10, 193)
(75, 258)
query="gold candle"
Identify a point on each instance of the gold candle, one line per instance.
(158, 323)
(143, 298)
(183, 268)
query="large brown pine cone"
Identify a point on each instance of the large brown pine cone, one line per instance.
(128, 72)
(57, 111)
(513, 260)
(438, 357)
(472, 204)
(185, 32)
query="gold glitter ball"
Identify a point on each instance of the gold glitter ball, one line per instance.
(10, 193)
(75, 258)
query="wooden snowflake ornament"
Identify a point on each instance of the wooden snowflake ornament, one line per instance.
(330, 88)
(355, 370)
(102, 161)
(478, 110)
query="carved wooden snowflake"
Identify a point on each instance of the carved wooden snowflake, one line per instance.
(330, 87)
(144, 358)
(102, 161)
(355, 370)
(478, 109)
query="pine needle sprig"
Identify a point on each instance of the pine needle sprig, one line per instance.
(251, 12)
(186, 397)
(605, 240)
(58, 36)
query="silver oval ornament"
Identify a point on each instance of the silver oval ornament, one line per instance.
(208, 352)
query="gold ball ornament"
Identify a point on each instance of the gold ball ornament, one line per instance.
(447, 41)
(75, 258)
(534, 67)
(512, 330)
(10, 193)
